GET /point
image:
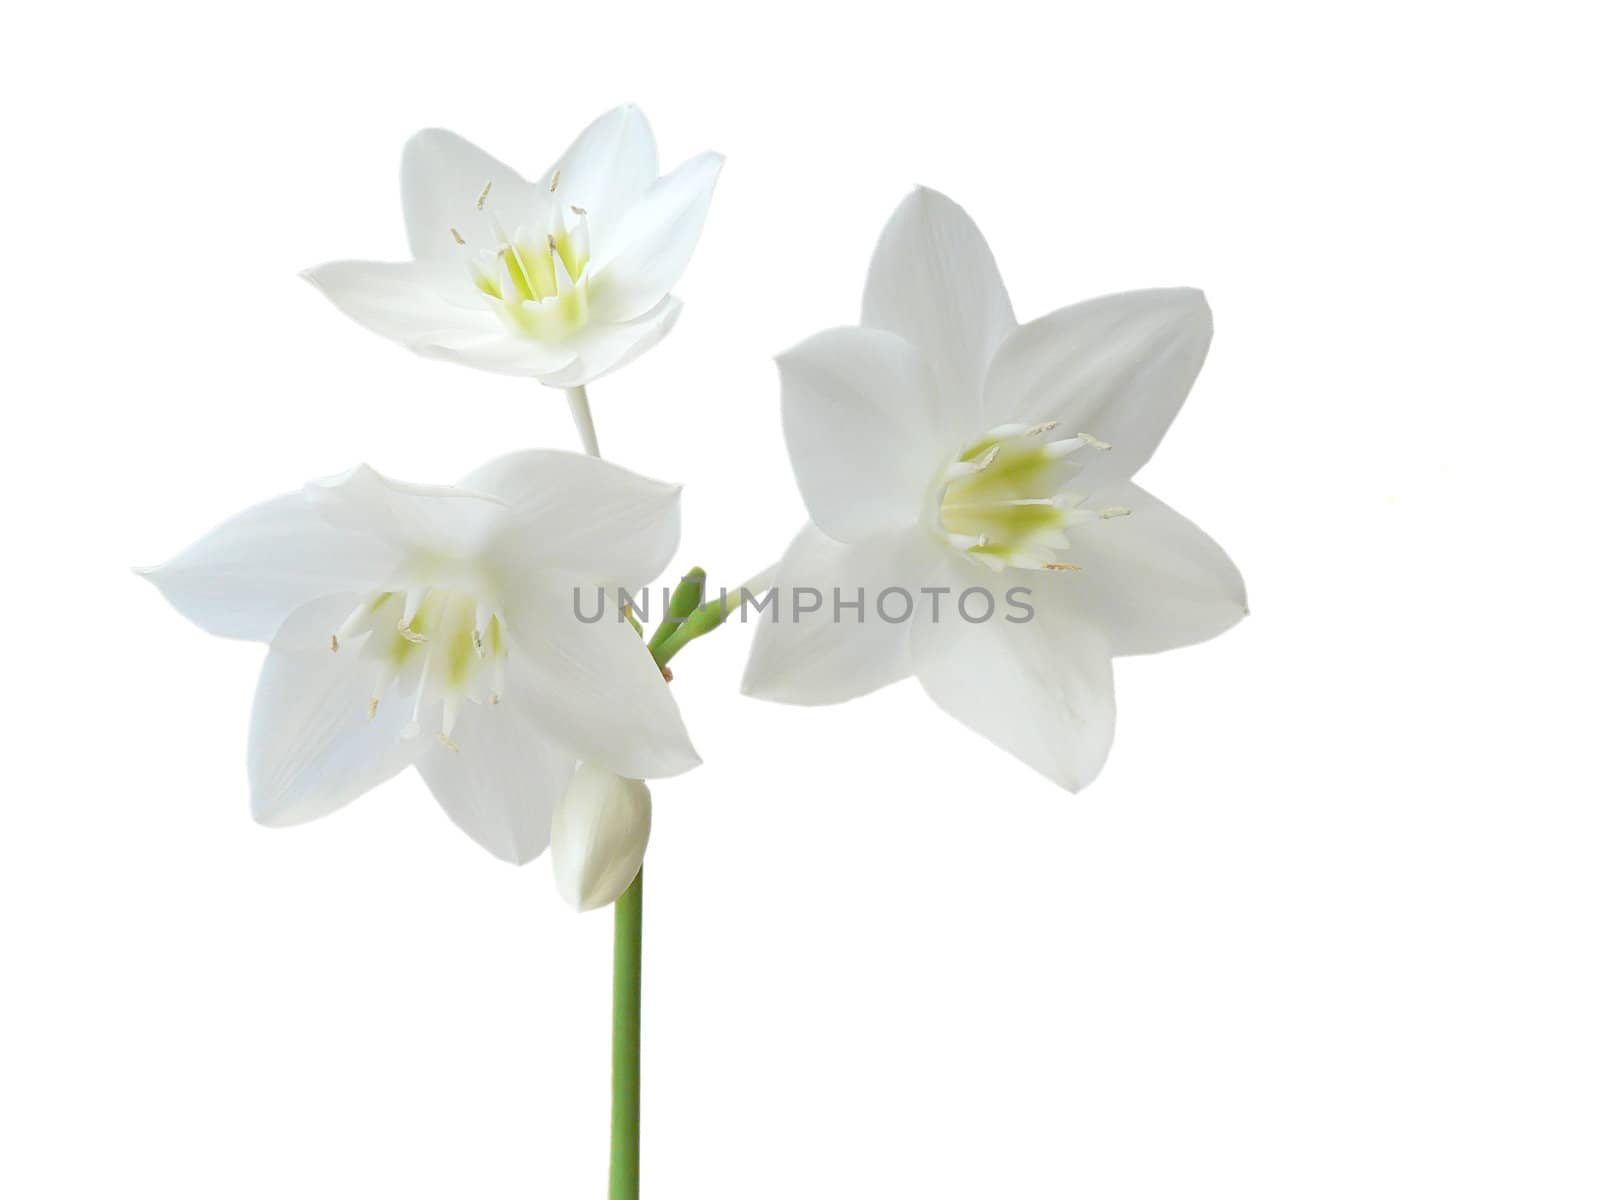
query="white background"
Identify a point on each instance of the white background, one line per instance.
(1325, 927)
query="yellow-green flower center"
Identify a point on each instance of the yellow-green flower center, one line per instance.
(536, 279)
(443, 646)
(1005, 501)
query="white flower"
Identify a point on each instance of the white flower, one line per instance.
(440, 628)
(597, 843)
(564, 278)
(940, 445)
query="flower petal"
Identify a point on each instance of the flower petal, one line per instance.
(589, 517)
(610, 165)
(864, 426)
(1039, 689)
(442, 178)
(244, 578)
(1117, 367)
(593, 687)
(1151, 580)
(599, 836)
(934, 282)
(599, 349)
(653, 241)
(313, 747)
(501, 782)
(426, 308)
(814, 658)
(446, 521)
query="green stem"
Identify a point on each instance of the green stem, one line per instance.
(625, 997)
(627, 950)
(686, 620)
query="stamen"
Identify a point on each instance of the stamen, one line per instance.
(480, 622)
(456, 233)
(358, 618)
(1064, 447)
(1062, 566)
(962, 468)
(333, 639)
(372, 708)
(415, 724)
(581, 212)
(555, 179)
(989, 506)
(444, 740)
(1116, 511)
(484, 195)
(1090, 440)
(1036, 430)
(414, 599)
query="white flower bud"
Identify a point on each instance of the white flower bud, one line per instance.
(597, 839)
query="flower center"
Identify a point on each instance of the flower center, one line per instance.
(535, 279)
(1005, 501)
(440, 645)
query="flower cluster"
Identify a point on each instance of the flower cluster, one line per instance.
(941, 448)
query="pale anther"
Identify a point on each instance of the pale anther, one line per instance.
(484, 195)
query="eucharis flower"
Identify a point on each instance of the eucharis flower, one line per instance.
(437, 628)
(564, 278)
(946, 451)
